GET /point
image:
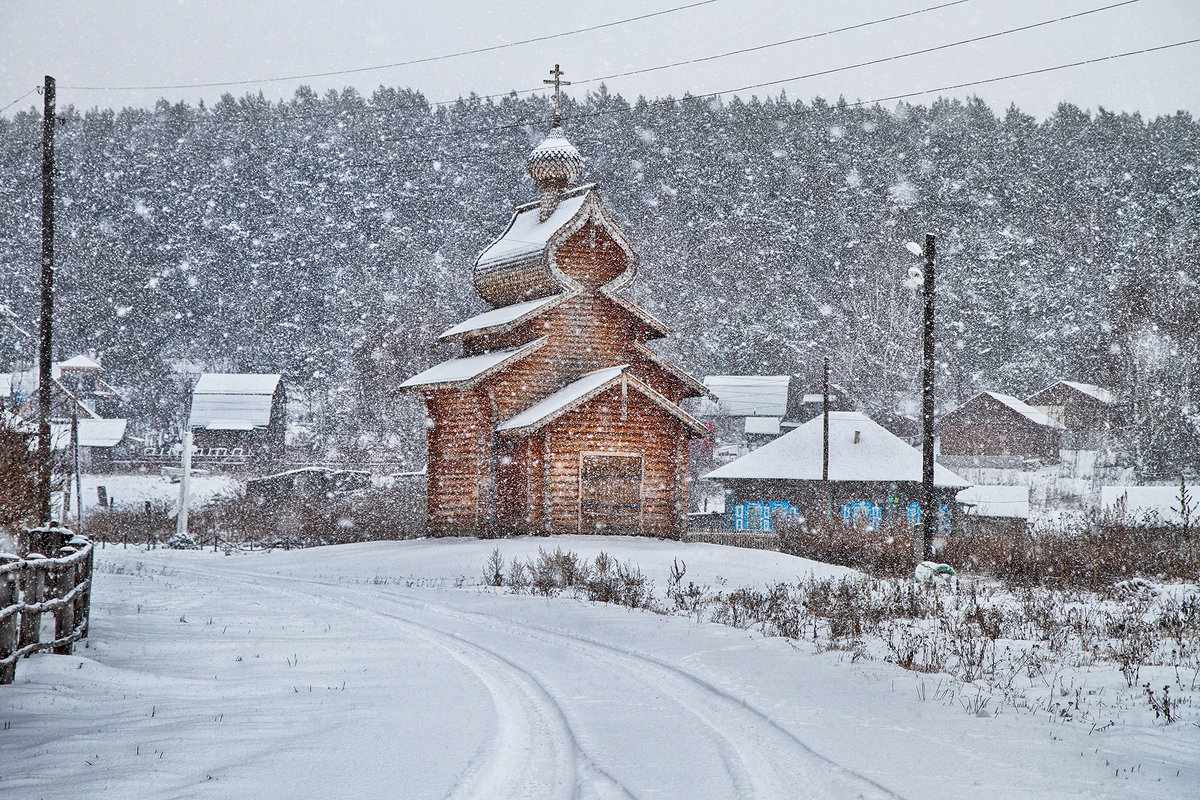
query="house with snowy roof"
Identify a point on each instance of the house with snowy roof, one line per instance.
(1088, 413)
(874, 477)
(998, 430)
(742, 412)
(239, 418)
(76, 388)
(99, 441)
(557, 416)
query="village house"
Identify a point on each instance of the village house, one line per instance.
(238, 419)
(100, 442)
(76, 387)
(874, 477)
(1086, 412)
(558, 416)
(998, 430)
(742, 412)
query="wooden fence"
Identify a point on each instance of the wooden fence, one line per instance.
(753, 541)
(36, 584)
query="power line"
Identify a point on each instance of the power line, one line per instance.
(425, 60)
(833, 70)
(712, 95)
(934, 49)
(756, 48)
(19, 99)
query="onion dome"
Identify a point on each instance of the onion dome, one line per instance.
(555, 163)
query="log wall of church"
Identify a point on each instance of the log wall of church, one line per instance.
(457, 477)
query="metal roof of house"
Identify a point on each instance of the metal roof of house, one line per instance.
(1024, 409)
(79, 363)
(746, 396)
(1103, 395)
(859, 450)
(92, 433)
(233, 401)
(996, 501)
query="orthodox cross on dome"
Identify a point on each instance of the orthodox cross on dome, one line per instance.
(558, 83)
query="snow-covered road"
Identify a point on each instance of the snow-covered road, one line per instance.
(384, 670)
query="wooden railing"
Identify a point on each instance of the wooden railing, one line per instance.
(36, 584)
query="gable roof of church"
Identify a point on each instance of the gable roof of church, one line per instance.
(579, 392)
(462, 373)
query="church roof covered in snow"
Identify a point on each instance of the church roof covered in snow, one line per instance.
(859, 450)
(580, 391)
(469, 370)
(500, 319)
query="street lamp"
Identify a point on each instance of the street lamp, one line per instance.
(923, 541)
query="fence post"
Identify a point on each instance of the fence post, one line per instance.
(64, 615)
(83, 572)
(8, 625)
(32, 593)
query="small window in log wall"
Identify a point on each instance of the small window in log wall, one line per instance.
(610, 493)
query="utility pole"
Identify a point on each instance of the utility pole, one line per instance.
(929, 516)
(45, 459)
(825, 444)
(185, 480)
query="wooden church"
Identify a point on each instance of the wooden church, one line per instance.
(558, 417)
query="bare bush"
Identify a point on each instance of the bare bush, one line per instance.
(887, 550)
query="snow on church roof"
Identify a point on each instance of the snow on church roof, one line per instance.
(470, 368)
(1024, 409)
(564, 398)
(859, 450)
(500, 317)
(526, 235)
(584, 389)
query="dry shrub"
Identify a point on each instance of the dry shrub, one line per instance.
(887, 550)
(237, 521)
(1093, 553)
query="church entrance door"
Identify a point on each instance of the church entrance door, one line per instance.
(610, 493)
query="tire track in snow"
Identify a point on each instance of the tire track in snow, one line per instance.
(534, 754)
(776, 762)
(763, 759)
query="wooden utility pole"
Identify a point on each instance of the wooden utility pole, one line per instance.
(825, 444)
(45, 455)
(929, 516)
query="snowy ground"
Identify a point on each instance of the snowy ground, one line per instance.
(130, 490)
(387, 670)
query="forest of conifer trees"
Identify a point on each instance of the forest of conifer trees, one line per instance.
(331, 237)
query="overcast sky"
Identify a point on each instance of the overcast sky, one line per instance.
(152, 43)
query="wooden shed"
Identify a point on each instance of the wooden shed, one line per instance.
(558, 416)
(1086, 411)
(239, 418)
(999, 430)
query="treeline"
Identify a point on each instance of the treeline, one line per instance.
(330, 238)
